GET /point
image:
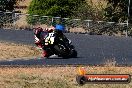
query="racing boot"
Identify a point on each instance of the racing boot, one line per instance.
(45, 54)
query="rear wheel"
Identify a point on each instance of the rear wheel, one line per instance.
(73, 54)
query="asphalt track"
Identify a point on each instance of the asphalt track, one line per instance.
(92, 49)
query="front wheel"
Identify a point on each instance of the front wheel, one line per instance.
(61, 51)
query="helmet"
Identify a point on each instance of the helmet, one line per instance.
(60, 27)
(37, 30)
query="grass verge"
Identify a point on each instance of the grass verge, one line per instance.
(56, 77)
(15, 51)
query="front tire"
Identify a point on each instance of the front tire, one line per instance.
(61, 51)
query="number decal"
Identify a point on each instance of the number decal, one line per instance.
(50, 38)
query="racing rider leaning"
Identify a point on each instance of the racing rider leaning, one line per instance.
(40, 34)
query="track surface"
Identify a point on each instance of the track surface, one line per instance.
(92, 49)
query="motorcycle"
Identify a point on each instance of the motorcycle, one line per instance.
(59, 45)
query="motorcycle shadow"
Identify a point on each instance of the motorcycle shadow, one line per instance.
(53, 57)
(56, 57)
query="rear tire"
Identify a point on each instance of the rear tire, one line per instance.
(73, 54)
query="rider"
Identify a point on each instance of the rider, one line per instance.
(60, 29)
(39, 41)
